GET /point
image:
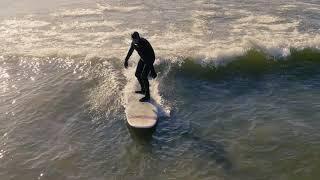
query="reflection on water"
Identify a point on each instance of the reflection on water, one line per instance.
(142, 136)
(202, 148)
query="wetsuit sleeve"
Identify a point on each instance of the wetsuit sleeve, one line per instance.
(129, 53)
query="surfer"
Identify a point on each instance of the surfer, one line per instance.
(145, 64)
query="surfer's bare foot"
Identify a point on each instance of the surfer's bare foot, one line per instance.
(140, 92)
(145, 99)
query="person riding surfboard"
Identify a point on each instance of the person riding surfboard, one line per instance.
(145, 64)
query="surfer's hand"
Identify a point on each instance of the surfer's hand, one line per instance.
(153, 74)
(126, 64)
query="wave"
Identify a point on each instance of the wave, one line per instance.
(253, 63)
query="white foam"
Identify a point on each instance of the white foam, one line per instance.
(199, 24)
(94, 11)
(287, 7)
(103, 95)
(77, 12)
(107, 7)
(90, 24)
(23, 23)
(308, 4)
(4, 77)
(3, 73)
(204, 13)
(315, 9)
(132, 85)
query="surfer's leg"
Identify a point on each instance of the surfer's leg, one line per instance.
(153, 72)
(138, 75)
(144, 77)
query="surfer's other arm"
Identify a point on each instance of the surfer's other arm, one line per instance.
(128, 56)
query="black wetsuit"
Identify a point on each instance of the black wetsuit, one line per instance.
(145, 65)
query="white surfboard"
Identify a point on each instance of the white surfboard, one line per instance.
(140, 114)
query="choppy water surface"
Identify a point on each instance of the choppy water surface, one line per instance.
(238, 87)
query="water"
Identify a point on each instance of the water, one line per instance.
(238, 88)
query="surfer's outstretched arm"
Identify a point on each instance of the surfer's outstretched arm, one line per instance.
(128, 56)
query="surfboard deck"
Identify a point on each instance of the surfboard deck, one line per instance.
(140, 114)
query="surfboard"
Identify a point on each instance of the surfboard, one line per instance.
(140, 114)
